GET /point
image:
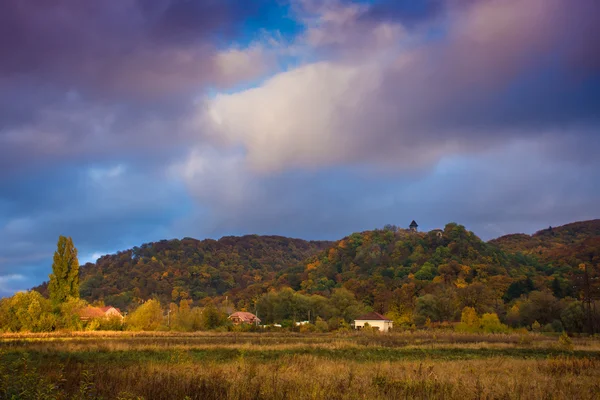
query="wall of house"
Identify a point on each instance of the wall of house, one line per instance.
(111, 312)
(383, 326)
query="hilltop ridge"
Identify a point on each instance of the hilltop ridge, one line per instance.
(384, 269)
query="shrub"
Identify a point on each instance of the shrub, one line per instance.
(147, 317)
(92, 325)
(321, 325)
(565, 342)
(557, 326)
(112, 323)
(490, 323)
(304, 328)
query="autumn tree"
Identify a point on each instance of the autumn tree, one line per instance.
(26, 311)
(147, 317)
(469, 320)
(213, 318)
(64, 280)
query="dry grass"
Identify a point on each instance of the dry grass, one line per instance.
(420, 365)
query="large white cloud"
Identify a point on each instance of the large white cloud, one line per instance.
(404, 98)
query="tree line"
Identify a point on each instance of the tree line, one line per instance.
(547, 282)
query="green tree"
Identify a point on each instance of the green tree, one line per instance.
(426, 273)
(64, 280)
(147, 317)
(26, 311)
(426, 308)
(540, 306)
(490, 323)
(573, 317)
(69, 314)
(345, 305)
(213, 318)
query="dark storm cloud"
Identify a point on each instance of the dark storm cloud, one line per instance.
(90, 97)
(408, 12)
(115, 45)
(487, 116)
(86, 80)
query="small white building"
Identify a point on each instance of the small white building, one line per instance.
(375, 320)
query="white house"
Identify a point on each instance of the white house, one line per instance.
(375, 320)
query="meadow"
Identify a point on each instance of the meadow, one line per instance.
(233, 365)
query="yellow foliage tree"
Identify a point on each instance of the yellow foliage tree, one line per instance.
(147, 317)
(469, 320)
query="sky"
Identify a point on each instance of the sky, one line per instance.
(129, 121)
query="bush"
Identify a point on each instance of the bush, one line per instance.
(93, 325)
(557, 326)
(27, 311)
(565, 342)
(112, 323)
(304, 328)
(321, 325)
(147, 317)
(490, 323)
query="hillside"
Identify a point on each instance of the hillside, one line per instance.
(173, 270)
(550, 238)
(569, 245)
(384, 269)
(389, 268)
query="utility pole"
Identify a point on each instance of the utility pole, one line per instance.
(256, 313)
(169, 318)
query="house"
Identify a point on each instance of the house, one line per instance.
(414, 226)
(110, 311)
(438, 232)
(89, 312)
(375, 320)
(242, 317)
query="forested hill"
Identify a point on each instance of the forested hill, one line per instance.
(389, 268)
(573, 243)
(384, 269)
(173, 270)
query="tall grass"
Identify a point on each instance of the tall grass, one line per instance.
(251, 366)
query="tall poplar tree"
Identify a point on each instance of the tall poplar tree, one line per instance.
(64, 280)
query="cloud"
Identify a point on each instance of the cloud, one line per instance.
(499, 74)
(111, 207)
(123, 122)
(239, 65)
(406, 11)
(83, 80)
(125, 48)
(496, 192)
(11, 283)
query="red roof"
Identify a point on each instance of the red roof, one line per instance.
(105, 309)
(91, 312)
(244, 316)
(372, 316)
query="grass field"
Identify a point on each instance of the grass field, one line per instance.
(424, 365)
